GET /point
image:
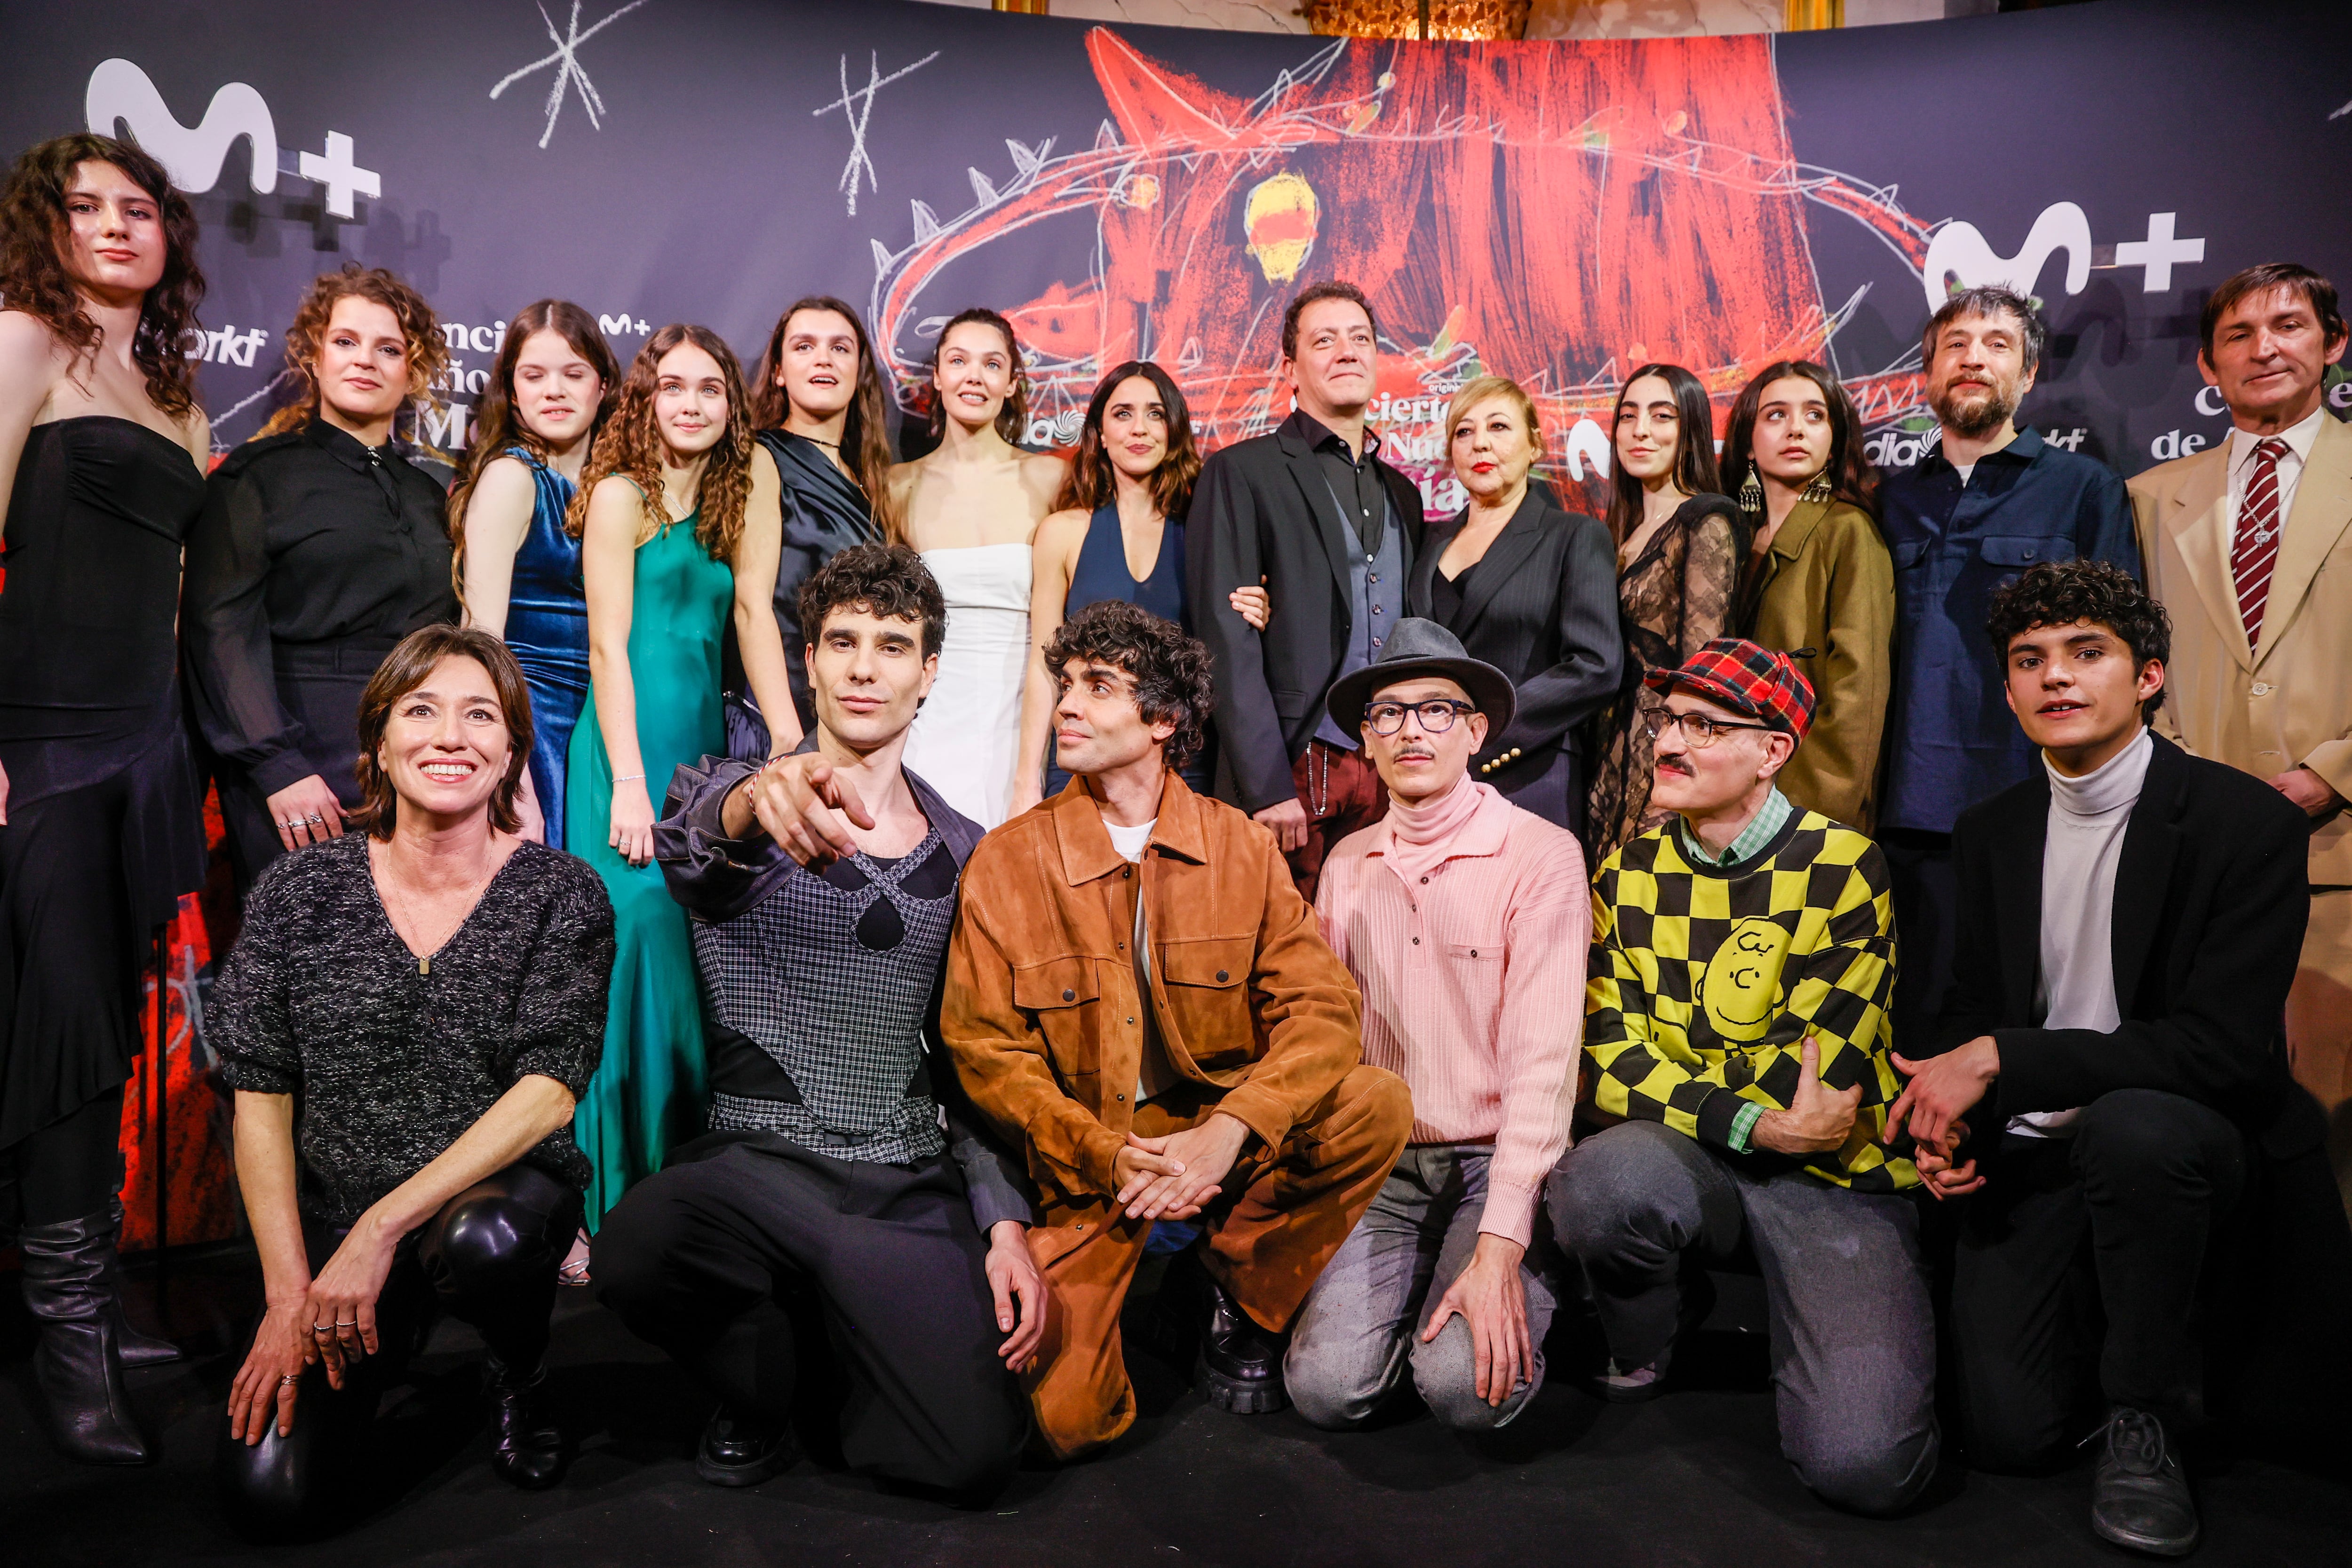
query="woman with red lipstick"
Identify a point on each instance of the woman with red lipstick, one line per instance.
(320, 548)
(102, 452)
(825, 456)
(1529, 588)
(1819, 583)
(518, 571)
(1122, 507)
(1679, 549)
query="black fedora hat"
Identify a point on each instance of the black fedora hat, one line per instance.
(1415, 650)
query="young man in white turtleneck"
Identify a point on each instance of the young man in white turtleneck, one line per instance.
(2128, 928)
(1465, 921)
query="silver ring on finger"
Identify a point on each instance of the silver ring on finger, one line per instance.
(313, 819)
(323, 1328)
(290, 1380)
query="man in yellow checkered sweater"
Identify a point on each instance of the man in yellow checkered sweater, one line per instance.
(1743, 958)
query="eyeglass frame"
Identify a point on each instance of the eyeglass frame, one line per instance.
(1652, 713)
(1454, 706)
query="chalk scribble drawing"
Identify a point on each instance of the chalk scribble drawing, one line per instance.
(858, 108)
(568, 71)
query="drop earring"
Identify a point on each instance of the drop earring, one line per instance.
(1751, 494)
(1819, 490)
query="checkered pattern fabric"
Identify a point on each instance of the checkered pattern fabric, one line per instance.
(1746, 678)
(844, 1021)
(1704, 983)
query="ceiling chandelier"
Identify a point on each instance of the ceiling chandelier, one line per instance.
(1459, 19)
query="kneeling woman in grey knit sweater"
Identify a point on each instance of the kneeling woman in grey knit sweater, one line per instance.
(407, 1018)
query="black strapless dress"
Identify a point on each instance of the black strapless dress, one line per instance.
(105, 825)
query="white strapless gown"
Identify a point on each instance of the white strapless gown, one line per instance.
(965, 738)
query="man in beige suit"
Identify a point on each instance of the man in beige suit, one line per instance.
(2249, 546)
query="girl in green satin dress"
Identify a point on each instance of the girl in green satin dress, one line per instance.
(659, 513)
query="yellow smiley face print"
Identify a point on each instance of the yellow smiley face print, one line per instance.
(1743, 979)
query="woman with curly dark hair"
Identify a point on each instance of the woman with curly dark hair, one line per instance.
(660, 517)
(102, 452)
(1819, 583)
(825, 454)
(320, 548)
(1122, 507)
(518, 565)
(972, 507)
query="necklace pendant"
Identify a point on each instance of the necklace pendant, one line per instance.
(424, 965)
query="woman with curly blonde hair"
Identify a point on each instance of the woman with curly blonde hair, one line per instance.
(321, 546)
(659, 516)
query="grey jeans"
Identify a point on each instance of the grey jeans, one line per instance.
(1362, 1323)
(1854, 1339)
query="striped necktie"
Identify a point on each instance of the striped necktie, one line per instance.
(2256, 550)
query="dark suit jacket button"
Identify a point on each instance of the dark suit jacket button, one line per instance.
(1069, 995)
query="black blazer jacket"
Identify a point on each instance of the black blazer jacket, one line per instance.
(2211, 898)
(1262, 509)
(1541, 607)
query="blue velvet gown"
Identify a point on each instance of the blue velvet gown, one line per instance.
(547, 630)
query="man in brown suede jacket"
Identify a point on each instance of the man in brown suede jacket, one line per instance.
(1139, 998)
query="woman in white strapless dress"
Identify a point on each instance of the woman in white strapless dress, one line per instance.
(970, 508)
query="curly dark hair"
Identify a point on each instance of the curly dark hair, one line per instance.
(1169, 665)
(2068, 592)
(428, 349)
(888, 581)
(630, 445)
(33, 277)
(409, 666)
(1315, 294)
(1851, 478)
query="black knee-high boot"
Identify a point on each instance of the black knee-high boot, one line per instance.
(136, 1349)
(69, 1288)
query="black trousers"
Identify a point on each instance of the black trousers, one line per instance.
(2118, 1222)
(488, 1259)
(705, 1258)
(1919, 875)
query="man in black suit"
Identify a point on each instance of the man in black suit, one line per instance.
(2128, 922)
(1312, 512)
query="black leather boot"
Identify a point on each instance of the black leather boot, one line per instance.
(741, 1448)
(1241, 1364)
(528, 1451)
(136, 1349)
(2139, 1497)
(79, 1364)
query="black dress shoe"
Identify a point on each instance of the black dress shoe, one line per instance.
(1241, 1364)
(740, 1449)
(528, 1451)
(2139, 1499)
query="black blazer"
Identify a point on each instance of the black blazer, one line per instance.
(1541, 607)
(1262, 509)
(2211, 897)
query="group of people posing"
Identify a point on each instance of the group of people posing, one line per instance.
(848, 914)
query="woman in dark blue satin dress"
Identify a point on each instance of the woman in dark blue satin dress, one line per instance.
(817, 397)
(519, 571)
(1122, 507)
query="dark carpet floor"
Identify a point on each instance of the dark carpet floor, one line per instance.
(1692, 1478)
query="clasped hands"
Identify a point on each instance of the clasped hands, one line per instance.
(1176, 1175)
(1942, 1090)
(331, 1320)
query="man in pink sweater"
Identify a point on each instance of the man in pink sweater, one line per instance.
(1465, 921)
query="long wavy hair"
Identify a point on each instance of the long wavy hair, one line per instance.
(1093, 482)
(33, 277)
(496, 426)
(1695, 469)
(630, 445)
(864, 434)
(1851, 478)
(420, 331)
(1013, 419)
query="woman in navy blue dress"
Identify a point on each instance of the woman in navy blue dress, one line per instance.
(1118, 531)
(518, 571)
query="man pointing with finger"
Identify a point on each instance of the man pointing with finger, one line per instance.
(1138, 995)
(1743, 956)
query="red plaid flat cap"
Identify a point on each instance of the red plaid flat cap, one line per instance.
(1746, 678)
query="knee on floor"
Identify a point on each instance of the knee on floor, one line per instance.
(1330, 1391)
(1445, 1376)
(1876, 1481)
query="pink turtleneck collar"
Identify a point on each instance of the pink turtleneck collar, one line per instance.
(1422, 836)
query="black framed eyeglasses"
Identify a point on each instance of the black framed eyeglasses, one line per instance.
(1436, 715)
(1698, 730)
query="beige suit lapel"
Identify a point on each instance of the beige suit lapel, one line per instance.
(2323, 508)
(2194, 522)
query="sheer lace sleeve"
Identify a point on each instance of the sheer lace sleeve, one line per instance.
(1710, 579)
